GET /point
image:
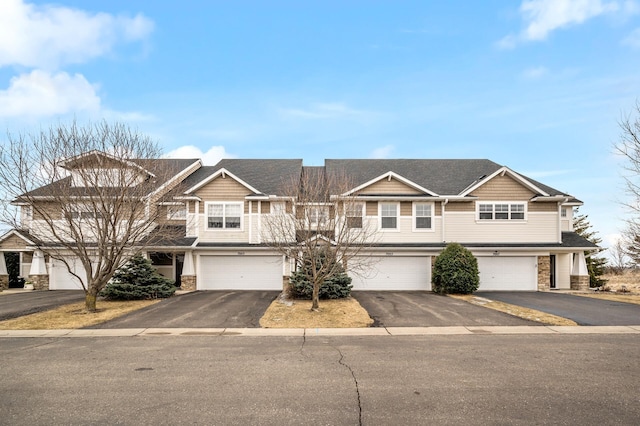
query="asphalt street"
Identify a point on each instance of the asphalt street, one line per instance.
(582, 310)
(17, 304)
(354, 380)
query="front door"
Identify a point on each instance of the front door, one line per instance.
(552, 271)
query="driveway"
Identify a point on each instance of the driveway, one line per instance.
(14, 305)
(583, 310)
(201, 309)
(426, 309)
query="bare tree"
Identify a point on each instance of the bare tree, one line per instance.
(629, 147)
(86, 195)
(619, 259)
(318, 223)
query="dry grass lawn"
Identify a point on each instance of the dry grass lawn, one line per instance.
(341, 313)
(629, 281)
(518, 311)
(74, 315)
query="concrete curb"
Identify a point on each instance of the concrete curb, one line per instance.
(324, 332)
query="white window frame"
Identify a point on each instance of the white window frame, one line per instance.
(313, 215)
(502, 208)
(224, 204)
(277, 208)
(354, 210)
(82, 212)
(177, 212)
(397, 216)
(415, 216)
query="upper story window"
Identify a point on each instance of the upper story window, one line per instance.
(501, 211)
(224, 215)
(82, 212)
(278, 207)
(389, 215)
(423, 215)
(176, 212)
(317, 215)
(563, 212)
(354, 213)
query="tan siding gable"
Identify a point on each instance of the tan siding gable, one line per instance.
(222, 189)
(384, 186)
(13, 243)
(503, 188)
(543, 207)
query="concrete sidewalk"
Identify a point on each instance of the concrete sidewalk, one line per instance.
(310, 332)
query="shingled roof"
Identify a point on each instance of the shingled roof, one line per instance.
(164, 169)
(267, 176)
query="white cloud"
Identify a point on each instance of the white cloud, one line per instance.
(535, 73)
(323, 111)
(40, 93)
(633, 39)
(542, 17)
(382, 152)
(209, 158)
(50, 35)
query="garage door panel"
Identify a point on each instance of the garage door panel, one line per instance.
(395, 273)
(508, 273)
(61, 279)
(240, 273)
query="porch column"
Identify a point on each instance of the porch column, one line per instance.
(188, 277)
(4, 275)
(38, 274)
(579, 273)
(544, 272)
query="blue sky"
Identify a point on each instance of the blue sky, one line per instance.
(538, 85)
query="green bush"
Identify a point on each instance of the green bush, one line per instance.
(137, 279)
(455, 271)
(336, 286)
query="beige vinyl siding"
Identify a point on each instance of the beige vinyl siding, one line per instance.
(13, 243)
(543, 207)
(538, 228)
(438, 209)
(371, 208)
(503, 188)
(385, 186)
(405, 233)
(222, 189)
(461, 207)
(49, 209)
(406, 208)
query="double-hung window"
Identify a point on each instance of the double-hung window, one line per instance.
(353, 213)
(224, 215)
(423, 215)
(501, 211)
(389, 215)
(317, 215)
(176, 212)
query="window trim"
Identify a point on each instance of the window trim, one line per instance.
(509, 211)
(380, 217)
(414, 216)
(224, 216)
(355, 205)
(173, 215)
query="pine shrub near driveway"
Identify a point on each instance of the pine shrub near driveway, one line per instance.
(455, 271)
(136, 280)
(336, 286)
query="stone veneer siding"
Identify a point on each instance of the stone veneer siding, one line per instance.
(544, 273)
(580, 282)
(40, 282)
(4, 282)
(188, 282)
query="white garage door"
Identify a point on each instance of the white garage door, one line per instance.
(240, 273)
(61, 279)
(508, 273)
(396, 273)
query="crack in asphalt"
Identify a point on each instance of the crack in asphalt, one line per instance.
(355, 381)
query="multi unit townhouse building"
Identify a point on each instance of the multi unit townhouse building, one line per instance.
(520, 230)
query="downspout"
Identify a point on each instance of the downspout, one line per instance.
(444, 203)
